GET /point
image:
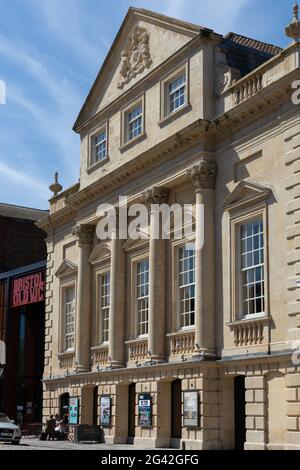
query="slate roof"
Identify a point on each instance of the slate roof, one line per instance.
(250, 43)
(19, 212)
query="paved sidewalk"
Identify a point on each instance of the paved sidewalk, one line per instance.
(36, 444)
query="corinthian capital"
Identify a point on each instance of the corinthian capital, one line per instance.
(203, 174)
(83, 234)
(155, 195)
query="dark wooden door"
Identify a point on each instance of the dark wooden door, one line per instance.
(95, 406)
(64, 404)
(131, 411)
(239, 412)
(176, 409)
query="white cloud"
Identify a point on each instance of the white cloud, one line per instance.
(58, 87)
(65, 19)
(22, 179)
(53, 126)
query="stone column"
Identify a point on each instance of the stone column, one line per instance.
(117, 303)
(157, 287)
(203, 177)
(84, 237)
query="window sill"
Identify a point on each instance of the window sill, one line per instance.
(138, 339)
(100, 346)
(127, 145)
(172, 116)
(97, 165)
(187, 329)
(254, 319)
(68, 352)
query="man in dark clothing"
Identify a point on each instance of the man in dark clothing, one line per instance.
(50, 428)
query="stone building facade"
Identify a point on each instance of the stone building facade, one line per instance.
(180, 114)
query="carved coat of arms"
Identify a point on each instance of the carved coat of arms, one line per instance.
(135, 57)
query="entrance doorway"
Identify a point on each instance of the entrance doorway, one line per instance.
(64, 404)
(176, 426)
(95, 406)
(131, 413)
(239, 412)
(89, 405)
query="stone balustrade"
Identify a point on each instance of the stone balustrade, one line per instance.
(248, 87)
(181, 343)
(67, 360)
(99, 356)
(249, 332)
(137, 350)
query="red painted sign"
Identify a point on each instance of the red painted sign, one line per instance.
(28, 289)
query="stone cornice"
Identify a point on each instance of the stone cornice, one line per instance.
(163, 368)
(261, 104)
(166, 150)
(249, 111)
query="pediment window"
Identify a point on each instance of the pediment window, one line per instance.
(67, 268)
(246, 194)
(100, 254)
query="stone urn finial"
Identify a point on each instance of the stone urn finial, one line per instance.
(292, 30)
(55, 187)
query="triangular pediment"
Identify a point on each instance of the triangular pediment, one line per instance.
(246, 193)
(66, 268)
(144, 41)
(100, 253)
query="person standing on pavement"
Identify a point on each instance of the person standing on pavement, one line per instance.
(50, 428)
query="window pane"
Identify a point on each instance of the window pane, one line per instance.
(186, 276)
(142, 297)
(135, 123)
(177, 93)
(69, 317)
(252, 267)
(100, 147)
(104, 306)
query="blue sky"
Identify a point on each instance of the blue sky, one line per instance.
(50, 53)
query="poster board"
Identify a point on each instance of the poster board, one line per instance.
(190, 409)
(145, 410)
(105, 411)
(73, 410)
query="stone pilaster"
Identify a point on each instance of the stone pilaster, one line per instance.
(84, 238)
(48, 351)
(157, 261)
(255, 413)
(117, 304)
(292, 163)
(203, 176)
(292, 381)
